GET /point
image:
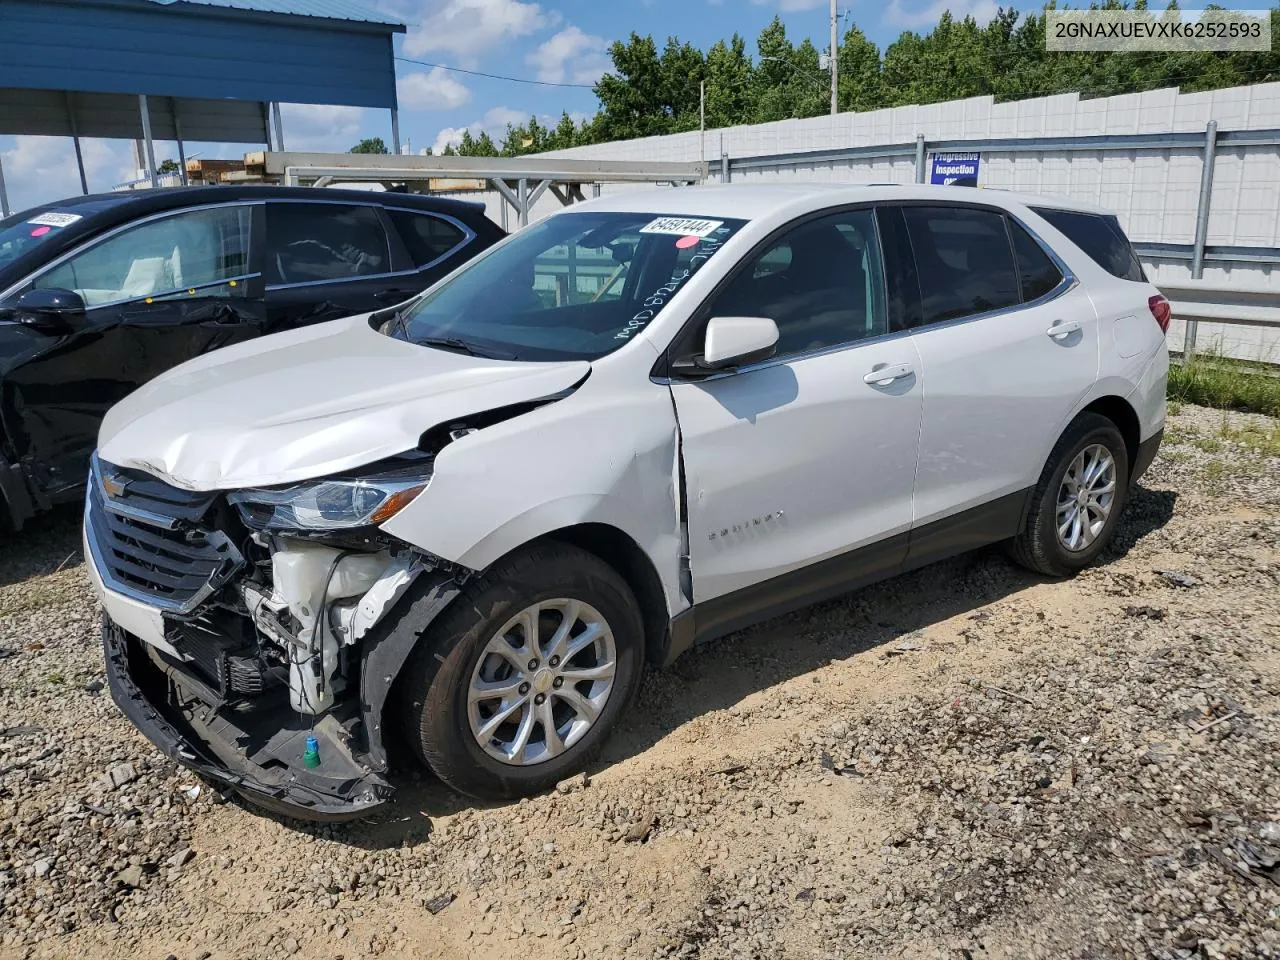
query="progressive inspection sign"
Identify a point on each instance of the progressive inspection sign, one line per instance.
(955, 169)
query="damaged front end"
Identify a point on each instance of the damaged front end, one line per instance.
(256, 651)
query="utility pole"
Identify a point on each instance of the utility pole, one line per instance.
(702, 121)
(835, 70)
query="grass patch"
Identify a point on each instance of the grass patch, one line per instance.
(1211, 383)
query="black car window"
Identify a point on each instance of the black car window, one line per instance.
(309, 242)
(1101, 238)
(821, 282)
(1036, 270)
(964, 261)
(426, 237)
(197, 253)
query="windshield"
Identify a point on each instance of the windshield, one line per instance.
(26, 230)
(574, 287)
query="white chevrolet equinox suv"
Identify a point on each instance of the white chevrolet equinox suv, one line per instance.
(643, 422)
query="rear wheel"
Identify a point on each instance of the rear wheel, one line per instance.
(1078, 501)
(519, 683)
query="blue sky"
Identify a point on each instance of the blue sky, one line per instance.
(562, 41)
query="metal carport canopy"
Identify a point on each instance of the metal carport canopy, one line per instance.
(76, 67)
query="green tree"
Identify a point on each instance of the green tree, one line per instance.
(632, 96)
(168, 166)
(370, 145)
(860, 87)
(730, 87)
(787, 81)
(683, 68)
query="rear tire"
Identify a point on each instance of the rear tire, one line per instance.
(1078, 501)
(518, 684)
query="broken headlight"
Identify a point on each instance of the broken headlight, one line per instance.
(338, 503)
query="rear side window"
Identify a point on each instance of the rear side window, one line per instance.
(964, 261)
(1101, 238)
(310, 242)
(427, 238)
(1036, 271)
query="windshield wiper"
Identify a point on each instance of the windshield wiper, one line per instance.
(462, 346)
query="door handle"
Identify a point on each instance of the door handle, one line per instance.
(885, 374)
(1061, 328)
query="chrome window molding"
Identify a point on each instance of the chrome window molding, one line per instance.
(117, 230)
(178, 290)
(1068, 282)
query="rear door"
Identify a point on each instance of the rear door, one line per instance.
(810, 455)
(326, 260)
(157, 293)
(1008, 343)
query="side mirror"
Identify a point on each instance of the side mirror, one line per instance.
(734, 341)
(47, 309)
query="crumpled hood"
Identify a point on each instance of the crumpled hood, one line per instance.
(308, 403)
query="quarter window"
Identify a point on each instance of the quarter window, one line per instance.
(822, 283)
(964, 261)
(310, 242)
(1036, 271)
(1101, 238)
(427, 238)
(200, 253)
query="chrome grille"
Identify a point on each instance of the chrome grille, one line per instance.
(149, 541)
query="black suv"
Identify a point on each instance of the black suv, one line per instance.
(99, 294)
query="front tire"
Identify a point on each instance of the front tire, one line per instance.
(518, 684)
(1078, 501)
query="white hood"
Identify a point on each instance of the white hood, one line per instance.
(308, 403)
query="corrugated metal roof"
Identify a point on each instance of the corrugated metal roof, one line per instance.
(328, 9)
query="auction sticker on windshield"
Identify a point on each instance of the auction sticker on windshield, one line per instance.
(54, 219)
(683, 226)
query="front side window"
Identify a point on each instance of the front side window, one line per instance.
(575, 286)
(310, 242)
(821, 282)
(964, 261)
(200, 253)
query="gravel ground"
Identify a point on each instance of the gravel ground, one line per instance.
(966, 762)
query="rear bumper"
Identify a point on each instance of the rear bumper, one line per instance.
(1147, 451)
(259, 760)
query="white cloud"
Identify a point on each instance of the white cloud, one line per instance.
(790, 6)
(467, 28)
(571, 56)
(494, 122)
(313, 126)
(895, 14)
(435, 90)
(39, 169)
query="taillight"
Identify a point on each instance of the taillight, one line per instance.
(1161, 310)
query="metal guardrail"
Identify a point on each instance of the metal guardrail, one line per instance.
(1200, 301)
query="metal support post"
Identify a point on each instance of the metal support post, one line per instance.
(395, 131)
(4, 196)
(724, 168)
(75, 142)
(182, 153)
(146, 138)
(276, 122)
(835, 64)
(920, 158)
(1202, 228)
(522, 202)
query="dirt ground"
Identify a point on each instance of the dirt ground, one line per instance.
(965, 762)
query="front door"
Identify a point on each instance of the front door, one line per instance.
(794, 464)
(156, 294)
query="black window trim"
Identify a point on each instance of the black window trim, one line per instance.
(99, 238)
(1068, 282)
(467, 233)
(1101, 216)
(383, 221)
(661, 371)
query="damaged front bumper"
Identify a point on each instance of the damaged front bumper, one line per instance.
(256, 753)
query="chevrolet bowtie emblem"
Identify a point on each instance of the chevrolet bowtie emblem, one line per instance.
(114, 486)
